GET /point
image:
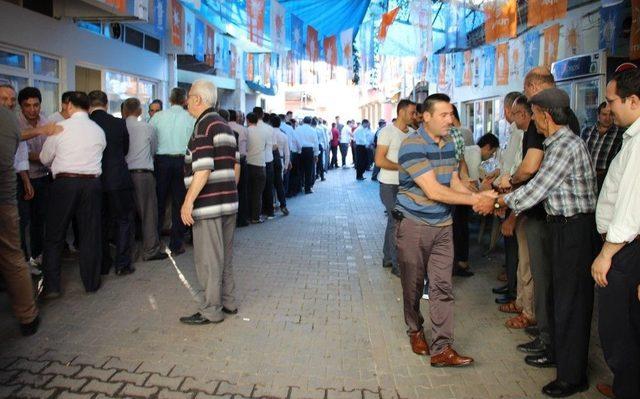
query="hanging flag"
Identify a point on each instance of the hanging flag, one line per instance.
(539, 11)
(312, 44)
(189, 31)
(346, 45)
(331, 50)
(489, 65)
(387, 20)
(434, 68)
(266, 70)
(456, 36)
(159, 14)
(199, 41)
(234, 62)
(551, 38)
(248, 66)
(176, 22)
(297, 43)
(610, 26)
(573, 37)
(442, 70)
(502, 51)
(420, 18)
(531, 50)
(221, 46)
(489, 21)
(278, 30)
(634, 40)
(209, 41)
(120, 5)
(458, 68)
(477, 63)
(501, 20)
(516, 59)
(255, 20)
(468, 61)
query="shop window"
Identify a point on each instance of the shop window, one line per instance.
(120, 86)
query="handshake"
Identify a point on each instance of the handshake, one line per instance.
(485, 202)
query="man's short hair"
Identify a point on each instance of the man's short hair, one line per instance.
(524, 102)
(178, 96)
(275, 120)
(282, 117)
(314, 121)
(233, 115)
(306, 120)
(131, 105)
(156, 101)
(430, 102)
(627, 83)
(65, 97)
(224, 114)
(259, 112)
(602, 106)
(489, 139)
(402, 104)
(289, 112)
(545, 78)
(80, 99)
(559, 115)
(4, 84)
(29, 92)
(510, 98)
(455, 112)
(206, 90)
(98, 98)
(252, 118)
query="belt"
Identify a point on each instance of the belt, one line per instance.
(140, 171)
(75, 175)
(171, 155)
(565, 219)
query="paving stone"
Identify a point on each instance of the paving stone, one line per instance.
(206, 386)
(71, 395)
(57, 356)
(207, 396)
(61, 369)
(33, 366)
(168, 394)
(71, 384)
(99, 374)
(107, 388)
(35, 380)
(132, 378)
(28, 392)
(7, 390)
(133, 390)
(6, 376)
(162, 368)
(168, 382)
(122, 364)
(6, 361)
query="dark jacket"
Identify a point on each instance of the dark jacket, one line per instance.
(115, 172)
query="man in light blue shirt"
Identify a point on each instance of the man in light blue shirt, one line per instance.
(307, 136)
(174, 126)
(363, 138)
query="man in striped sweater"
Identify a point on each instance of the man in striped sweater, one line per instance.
(211, 175)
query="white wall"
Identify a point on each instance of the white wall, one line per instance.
(62, 38)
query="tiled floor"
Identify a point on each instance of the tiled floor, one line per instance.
(319, 318)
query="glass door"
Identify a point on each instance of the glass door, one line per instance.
(587, 98)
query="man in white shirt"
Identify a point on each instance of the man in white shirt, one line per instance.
(616, 268)
(63, 114)
(256, 147)
(143, 144)
(322, 149)
(386, 158)
(308, 139)
(290, 172)
(363, 139)
(75, 159)
(345, 139)
(243, 197)
(267, 131)
(281, 161)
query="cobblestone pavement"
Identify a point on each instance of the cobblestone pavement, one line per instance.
(319, 318)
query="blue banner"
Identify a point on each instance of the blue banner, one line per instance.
(222, 54)
(434, 67)
(297, 37)
(489, 65)
(531, 50)
(159, 15)
(199, 48)
(459, 68)
(610, 26)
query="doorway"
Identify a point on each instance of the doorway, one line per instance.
(88, 79)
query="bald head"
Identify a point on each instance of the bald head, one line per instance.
(538, 79)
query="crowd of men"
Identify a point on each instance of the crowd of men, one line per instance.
(104, 180)
(568, 203)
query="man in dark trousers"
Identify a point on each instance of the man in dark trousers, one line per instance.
(75, 160)
(116, 185)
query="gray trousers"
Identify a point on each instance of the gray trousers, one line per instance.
(388, 193)
(538, 240)
(213, 256)
(424, 249)
(144, 185)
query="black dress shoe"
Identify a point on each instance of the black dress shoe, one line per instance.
(387, 264)
(501, 300)
(504, 290)
(561, 389)
(158, 256)
(462, 272)
(196, 320)
(540, 361)
(125, 271)
(532, 330)
(28, 329)
(50, 294)
(229, 311)
(535, 346)
(395, 272)
(178, 251)
(284, 210)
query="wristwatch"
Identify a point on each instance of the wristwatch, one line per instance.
(496, 204)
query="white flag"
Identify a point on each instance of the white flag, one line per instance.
(277, 26)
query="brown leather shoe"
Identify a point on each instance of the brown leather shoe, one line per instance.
(450, 358)
(419, 343)
(606, 390)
